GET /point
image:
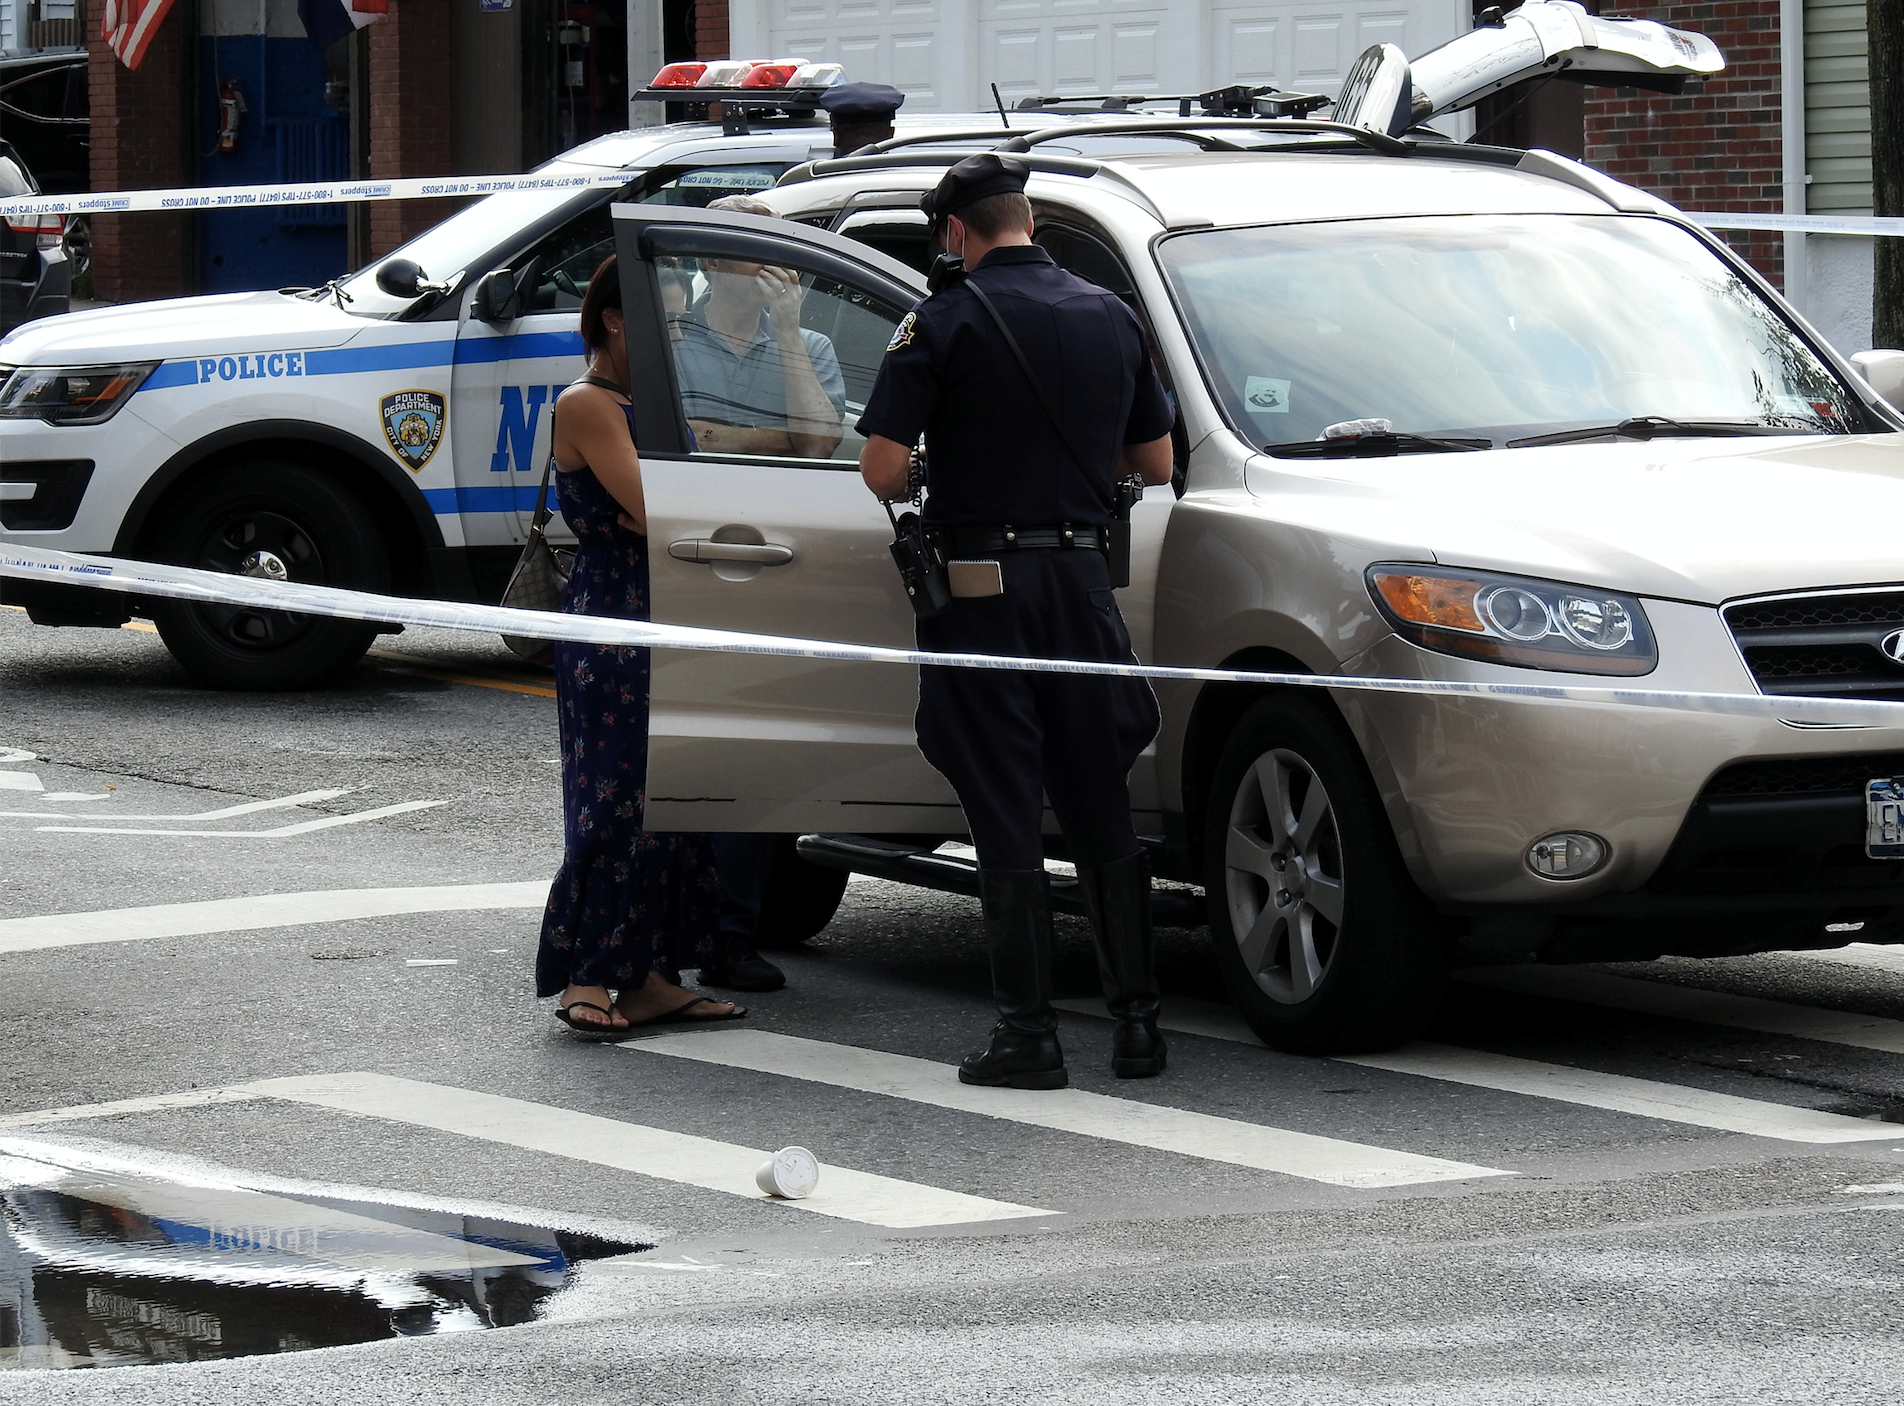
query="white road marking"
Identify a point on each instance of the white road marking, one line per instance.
(10, 755)
(248, 808)
(654, 1152)
(1661, 998)
(1647, 1098)
(271, 910)
(283, 831)
(1872, 955)
(20, 781)
(1137, 1124)
(119, 1108)
(429, 961)
(1876, 1188)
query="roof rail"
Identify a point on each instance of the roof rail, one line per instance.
(1237, 100)
(1082, 167)
(1206, 130)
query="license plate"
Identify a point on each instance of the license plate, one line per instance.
(1884, 817)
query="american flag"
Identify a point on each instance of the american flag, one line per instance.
(130, 25)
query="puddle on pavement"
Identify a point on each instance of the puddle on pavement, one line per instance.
(108, 1263)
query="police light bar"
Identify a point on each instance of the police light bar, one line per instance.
(750, 75)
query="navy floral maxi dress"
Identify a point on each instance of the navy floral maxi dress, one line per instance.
(626, 902)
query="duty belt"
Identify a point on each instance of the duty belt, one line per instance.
(964, 541)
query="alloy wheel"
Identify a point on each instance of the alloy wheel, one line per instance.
(1283, 877)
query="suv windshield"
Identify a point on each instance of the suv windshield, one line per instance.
(1485, 326)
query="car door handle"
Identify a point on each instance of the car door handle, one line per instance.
(703, 549)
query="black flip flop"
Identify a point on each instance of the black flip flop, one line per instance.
(591, 1031)
(679, 1016)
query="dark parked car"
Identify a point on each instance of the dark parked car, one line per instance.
(36, 276)
(45, 114)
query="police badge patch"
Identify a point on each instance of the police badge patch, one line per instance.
(902, 334)
(413, 423)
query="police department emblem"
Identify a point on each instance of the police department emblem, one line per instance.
(413, 423)
(902, 334)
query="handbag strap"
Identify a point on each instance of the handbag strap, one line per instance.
(1037, 386)
(542, 513)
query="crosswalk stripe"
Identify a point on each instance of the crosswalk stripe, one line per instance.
(1127, 1121)
(1868, 1032)
(653, 1152)
(270, 910)
(329, 822)
(1648, 1098)
(119, 1108)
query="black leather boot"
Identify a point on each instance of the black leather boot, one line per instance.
(736, 966)
(1117, 897)
(1024, 1051)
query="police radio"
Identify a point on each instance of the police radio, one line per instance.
(1117, 532)
(946, 270)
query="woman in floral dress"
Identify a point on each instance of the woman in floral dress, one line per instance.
(629, 908)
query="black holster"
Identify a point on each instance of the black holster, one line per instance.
(921, 565)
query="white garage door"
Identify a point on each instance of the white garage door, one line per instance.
(944, 54)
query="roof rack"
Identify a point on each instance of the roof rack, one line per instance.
(1207, 131)
(1237, 100)
(1082, 167)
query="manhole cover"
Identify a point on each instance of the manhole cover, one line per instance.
(106, 1264)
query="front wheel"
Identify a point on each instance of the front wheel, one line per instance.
(798, 899)
(281, 522)
(1324, 942)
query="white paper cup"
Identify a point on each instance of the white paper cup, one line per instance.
(792, 1172)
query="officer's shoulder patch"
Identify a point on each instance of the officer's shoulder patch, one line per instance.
(903, 333)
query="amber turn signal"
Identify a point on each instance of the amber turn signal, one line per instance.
(1444, 601)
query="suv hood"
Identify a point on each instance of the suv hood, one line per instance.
(1697, 520)
(217, 325)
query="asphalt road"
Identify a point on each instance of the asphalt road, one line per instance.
(1631, 1184)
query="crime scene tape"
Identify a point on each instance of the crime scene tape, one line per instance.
(431, 187)
(309, 193)
(216, 588)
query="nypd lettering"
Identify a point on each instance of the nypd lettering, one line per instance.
(255, 366)
(519, 416)
(413, 423)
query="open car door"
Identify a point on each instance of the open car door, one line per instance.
(1387, 92)
(753, 528)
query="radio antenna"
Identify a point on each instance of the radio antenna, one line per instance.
(1002, 118)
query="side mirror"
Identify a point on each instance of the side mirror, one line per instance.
(1885, 371)
(400, 278)
(495, 297)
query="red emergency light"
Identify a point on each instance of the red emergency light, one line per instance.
(678, 75)
(769, 75)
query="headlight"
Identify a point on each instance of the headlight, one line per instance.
(70, 395)
(1515, 620)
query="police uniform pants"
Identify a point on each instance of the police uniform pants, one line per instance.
(1006, 740)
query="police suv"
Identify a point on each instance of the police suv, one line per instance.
(1446, 411)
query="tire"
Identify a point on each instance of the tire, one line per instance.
(799, 899)
(318, 532)
(1348, 960)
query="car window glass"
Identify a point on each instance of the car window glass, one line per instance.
(898, 234)
(702, 187)
(566, 260)
(1085, 255)
(445, 251)
(748, 385)
(1504, 326)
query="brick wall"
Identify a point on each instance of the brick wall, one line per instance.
(141, 140)
(710, 30)
(409, 115)
(1717, 147)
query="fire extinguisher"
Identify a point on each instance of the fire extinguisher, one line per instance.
(231, 107)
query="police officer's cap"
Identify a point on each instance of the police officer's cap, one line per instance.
(859, 101)
(971, 181)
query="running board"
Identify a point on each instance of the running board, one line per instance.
(949, 873)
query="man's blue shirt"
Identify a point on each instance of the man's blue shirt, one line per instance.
(748, 388)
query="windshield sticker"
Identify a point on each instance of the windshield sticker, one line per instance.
(413, 423)
(1265, 395)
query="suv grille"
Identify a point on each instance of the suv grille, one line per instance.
(1803, 776)
(1823, 645)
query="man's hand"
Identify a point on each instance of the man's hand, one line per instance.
(781, 290)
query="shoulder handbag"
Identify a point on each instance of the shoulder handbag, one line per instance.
(542, 572)
(1117, 535)
(541, 575)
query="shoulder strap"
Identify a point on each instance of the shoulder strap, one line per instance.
(1037, 386)
(542, 513)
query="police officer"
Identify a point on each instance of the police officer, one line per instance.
(1023, 520)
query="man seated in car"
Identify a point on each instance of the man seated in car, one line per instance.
(753, 381)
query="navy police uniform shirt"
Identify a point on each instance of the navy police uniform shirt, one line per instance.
(992, 453)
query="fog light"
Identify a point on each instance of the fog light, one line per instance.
(1571, 854)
